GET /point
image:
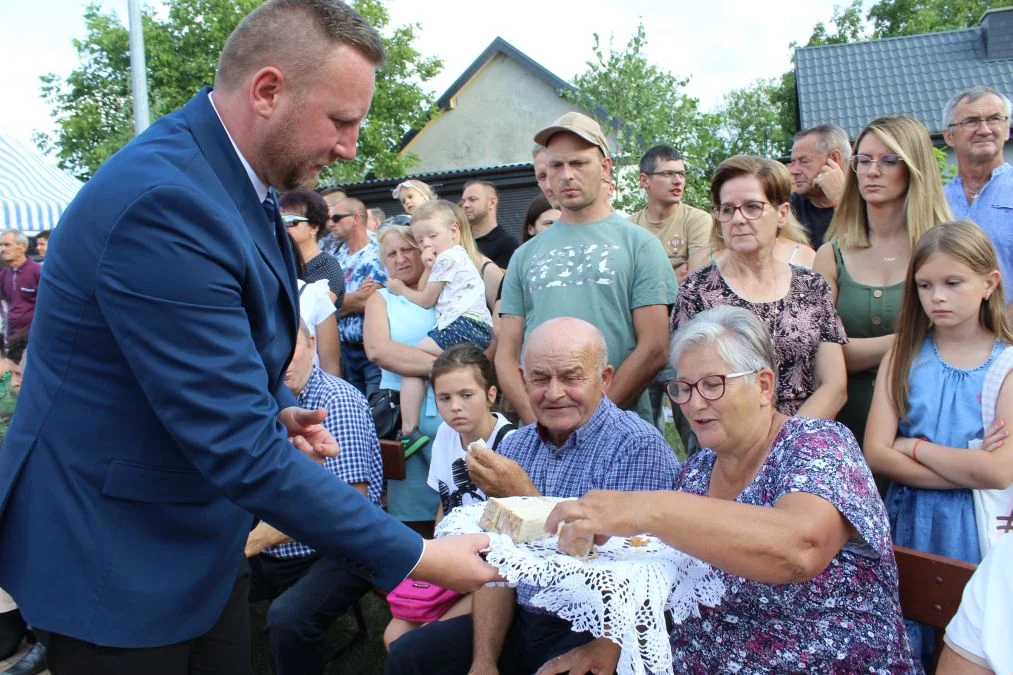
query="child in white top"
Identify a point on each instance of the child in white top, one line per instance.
(453, 284)
(464, 382)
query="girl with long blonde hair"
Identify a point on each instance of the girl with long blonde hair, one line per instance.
(927, 403)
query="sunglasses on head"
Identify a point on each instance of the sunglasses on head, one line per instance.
(335, 217)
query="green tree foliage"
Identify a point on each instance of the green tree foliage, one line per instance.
(94, 111)
(639, 105)
(891, 18)
(846, 25)
(399, 103)
(749, 121)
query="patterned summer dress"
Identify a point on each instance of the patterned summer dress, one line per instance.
(845, 620)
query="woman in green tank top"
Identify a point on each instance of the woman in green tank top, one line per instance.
(892, 196)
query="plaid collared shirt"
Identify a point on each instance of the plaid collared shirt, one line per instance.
(614, 450)
(349, 422)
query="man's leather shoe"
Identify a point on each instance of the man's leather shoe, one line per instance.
(32, 663)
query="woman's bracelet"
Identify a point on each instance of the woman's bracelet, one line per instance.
(914, 449)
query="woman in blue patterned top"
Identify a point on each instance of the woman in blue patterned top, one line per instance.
(784, 508)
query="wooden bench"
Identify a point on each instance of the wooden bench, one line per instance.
(931, 587)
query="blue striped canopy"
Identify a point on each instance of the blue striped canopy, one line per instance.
(33, 194)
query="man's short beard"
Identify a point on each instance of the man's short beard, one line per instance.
(287, 170)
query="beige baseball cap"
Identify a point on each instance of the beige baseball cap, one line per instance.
(578, 124)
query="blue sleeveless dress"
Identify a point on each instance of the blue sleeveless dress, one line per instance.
(412, 499)
(944, 407)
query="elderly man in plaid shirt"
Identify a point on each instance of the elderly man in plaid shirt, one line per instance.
(309, 591)
(580, 441)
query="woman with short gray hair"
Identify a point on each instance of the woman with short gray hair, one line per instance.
(783, 508)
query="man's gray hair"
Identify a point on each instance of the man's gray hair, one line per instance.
(537, 150)
(972, 94)
(829, 137)
(736, 335)
(19, 236)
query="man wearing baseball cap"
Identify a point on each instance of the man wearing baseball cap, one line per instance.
(591, 264)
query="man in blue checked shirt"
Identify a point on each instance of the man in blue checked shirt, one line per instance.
(580, 441)
(309, 591)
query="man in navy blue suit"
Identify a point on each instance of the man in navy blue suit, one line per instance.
(154, 419)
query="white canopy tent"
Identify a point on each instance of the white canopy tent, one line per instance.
(33, 194)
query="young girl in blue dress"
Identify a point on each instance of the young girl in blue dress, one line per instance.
(927, 402)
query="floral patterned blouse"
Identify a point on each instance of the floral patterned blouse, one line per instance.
(798, 323)
(846, 619)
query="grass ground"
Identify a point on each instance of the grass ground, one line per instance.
(363, 657)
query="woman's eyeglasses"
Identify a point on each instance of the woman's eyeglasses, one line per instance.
(750, 211)
(886, 163)
(710, 387)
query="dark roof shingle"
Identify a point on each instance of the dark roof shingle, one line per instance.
(851, 84)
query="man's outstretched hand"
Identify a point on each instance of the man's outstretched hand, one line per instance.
(455, 562)
(307, 433)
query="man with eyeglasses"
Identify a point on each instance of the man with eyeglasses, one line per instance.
(681, 229)
(359, 256)
(818, 158)
(976, 126)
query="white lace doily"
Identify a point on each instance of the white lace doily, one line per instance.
(615, 593)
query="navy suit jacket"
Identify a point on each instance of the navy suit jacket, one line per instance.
(145, 434)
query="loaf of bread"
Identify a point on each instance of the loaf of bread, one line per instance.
(523, 519)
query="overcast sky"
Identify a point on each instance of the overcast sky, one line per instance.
(719, 44)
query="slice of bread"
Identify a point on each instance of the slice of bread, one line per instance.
(579, 547)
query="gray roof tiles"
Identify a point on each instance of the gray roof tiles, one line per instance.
(851, 84)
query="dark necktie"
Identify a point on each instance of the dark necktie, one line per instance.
(270, 208)
(270, 205)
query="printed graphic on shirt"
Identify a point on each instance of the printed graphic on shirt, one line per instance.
(463, 486)
(573, 266)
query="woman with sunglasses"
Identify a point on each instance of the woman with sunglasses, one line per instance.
(305, 216)
(751, 208)
(892, 196)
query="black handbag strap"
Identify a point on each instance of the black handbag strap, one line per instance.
(501, 434)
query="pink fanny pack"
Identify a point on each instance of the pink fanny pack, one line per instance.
(420, 601)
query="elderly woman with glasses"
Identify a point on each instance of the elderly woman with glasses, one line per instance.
(751, 208)
(892, 196)
(785, 510)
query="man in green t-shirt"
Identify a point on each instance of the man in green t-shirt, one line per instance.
(591, 264)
